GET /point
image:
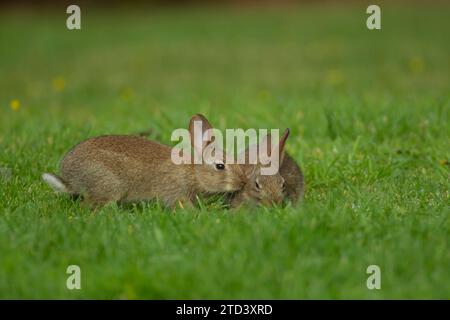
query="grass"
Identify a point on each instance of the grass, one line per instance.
(369, 114)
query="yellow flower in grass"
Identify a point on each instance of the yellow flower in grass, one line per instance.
(59, 83)
(14, 104)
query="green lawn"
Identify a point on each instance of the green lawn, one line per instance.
(369, 113)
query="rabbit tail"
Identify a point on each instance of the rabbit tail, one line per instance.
(55, 182)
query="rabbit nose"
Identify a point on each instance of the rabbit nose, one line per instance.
(278, 200)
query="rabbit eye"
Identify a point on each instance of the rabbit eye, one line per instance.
(220, 166)
(257, 185)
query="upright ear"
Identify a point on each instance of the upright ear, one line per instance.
(282, 143)
(267, 141)
(198, 125)
(251, 170)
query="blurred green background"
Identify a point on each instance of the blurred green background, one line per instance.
(368, 112)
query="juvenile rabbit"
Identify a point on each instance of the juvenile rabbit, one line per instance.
(131, 168)
(288, 183)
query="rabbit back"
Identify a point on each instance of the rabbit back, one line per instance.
(126, 168)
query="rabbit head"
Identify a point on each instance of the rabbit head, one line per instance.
(212, 172)
(263, 189)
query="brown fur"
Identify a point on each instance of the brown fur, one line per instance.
(131, 168)
(288, 183)
(294, 181)
(260, 189)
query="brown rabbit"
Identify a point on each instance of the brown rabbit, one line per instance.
(131, 168)
(288, 183)
(294, 181)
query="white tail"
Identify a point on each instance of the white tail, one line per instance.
(54, 182)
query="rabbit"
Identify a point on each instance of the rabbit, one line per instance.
(121, 168)
(269, 190)
(260, 189)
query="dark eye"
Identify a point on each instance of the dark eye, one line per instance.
(220, 166)
(257, 185)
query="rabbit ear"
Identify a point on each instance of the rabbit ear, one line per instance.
(251, 170)
(198, 125)
(267, 140)
(268, 144)
(282, 143)
(254, 148)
